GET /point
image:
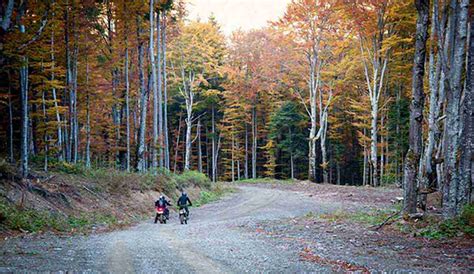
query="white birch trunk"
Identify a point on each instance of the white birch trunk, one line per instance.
(24, 113)
(141, 164)
(188, 94)
(165, 99)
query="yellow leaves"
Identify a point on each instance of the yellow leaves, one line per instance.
(211, 92)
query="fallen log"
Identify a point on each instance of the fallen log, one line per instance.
(379, 226)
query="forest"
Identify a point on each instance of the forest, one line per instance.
(345, 92)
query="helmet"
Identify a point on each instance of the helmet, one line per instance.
(161, 196)
(184, 193)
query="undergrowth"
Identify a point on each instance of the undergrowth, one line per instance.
(439, 229)
(110, 183)
(430, 227)
(370, 218)
(212, 195)
(29, 220)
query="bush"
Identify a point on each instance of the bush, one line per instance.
(389, 179)
(212, 195)
(28, 219)
(193, 178)
(452, 227)
(467, 214)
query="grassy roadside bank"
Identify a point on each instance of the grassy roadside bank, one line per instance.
(430, 226)
(382, 210)
(73, 199)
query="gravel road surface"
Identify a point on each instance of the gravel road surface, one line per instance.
(216, 240)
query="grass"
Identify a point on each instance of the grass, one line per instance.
(440, 229)
(430, 227)
(371, 218)
(212, 195)
(31, 220)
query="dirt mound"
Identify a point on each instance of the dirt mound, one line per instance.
(72, 201)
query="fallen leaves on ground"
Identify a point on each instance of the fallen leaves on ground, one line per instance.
(308, 255)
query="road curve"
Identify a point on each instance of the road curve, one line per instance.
(214, 241)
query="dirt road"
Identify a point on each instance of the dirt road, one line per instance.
(220, 238)
(213, 241)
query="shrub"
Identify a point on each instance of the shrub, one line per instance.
(467, 214)
(193, 178)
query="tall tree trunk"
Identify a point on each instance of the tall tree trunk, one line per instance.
(189, 98)
(199, 146)
(410, 179)
(154, 83)
(45, 134)
(237, 148)
(254, 142)
(127, 107)
(373, 144)
(67, 89)
(323, 130)
(457, 34)
(176, 148)
(160, 91)
(216, 160)
(24, 112)
(141, 165)
(467, 137)
(188, 143)
(11, 157)
(75, 115)
(366, 159)
(382, 154)
(232, 159)
(24, 115)
(428, 169)
(165, 99)
(214, 148)
(88, 118)
(208, 164)
(246, 159)
(55, 99)
(292, 165)
(313, 87)
(6, 20)
(375, 61)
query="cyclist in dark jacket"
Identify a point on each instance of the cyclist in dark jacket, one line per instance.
(162, 202)
(183, 202)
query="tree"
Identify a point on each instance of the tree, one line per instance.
(287, 131)
(313, 24)
(416, 108)
(194, 61)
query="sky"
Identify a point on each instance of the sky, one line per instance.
(235, 14)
